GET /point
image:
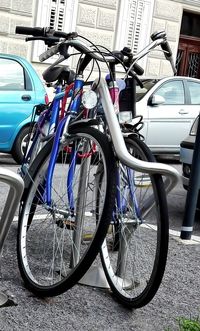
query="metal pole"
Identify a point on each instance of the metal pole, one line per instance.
(193, 191)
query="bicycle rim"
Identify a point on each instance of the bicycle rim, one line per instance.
(134, 252)
(58, 243)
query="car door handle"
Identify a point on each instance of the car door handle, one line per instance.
(183, 111)
(26, 97)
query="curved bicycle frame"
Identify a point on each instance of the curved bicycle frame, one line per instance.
(172, 175)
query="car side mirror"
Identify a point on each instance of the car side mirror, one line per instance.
(156, 100)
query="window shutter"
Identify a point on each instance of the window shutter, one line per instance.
(134, 24)
(57, 14)
(136, 9)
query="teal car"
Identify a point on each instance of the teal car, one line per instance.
(20, 90)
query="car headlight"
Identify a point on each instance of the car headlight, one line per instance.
(193, 130)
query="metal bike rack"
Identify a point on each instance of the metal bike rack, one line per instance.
(193, 191)
(95, 277)
(16, 186)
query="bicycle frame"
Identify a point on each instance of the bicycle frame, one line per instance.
(172, 175)
(63, 127)
(49, 116)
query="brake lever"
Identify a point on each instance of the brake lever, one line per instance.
(49, 41)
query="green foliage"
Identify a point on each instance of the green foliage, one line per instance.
(186, 324)
(189, 324)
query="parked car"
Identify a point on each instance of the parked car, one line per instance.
(169, 107)
(186, 153)
(186, 157)
(20, 90)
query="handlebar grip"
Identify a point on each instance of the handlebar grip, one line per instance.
(168, 55)
(158, 34)
(30, 31)
(50, 52)
(167, 49)
(67, 36)
(138, 69)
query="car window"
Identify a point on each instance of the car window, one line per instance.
(194, 90)
(172, 92)
(147, 85)
(11, 75)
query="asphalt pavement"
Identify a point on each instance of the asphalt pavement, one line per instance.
(88, 308)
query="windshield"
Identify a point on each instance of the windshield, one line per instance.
(147, 85)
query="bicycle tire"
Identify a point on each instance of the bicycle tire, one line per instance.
(134, 266)
(49, 261)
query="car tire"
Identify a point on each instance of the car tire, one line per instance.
(19, 144)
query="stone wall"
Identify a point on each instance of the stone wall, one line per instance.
(96, 19)
(12, 13)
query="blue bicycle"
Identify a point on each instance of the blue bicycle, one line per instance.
(62, 224)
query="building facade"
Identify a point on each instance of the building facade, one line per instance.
(112, 23)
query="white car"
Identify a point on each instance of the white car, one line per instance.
(169, 107)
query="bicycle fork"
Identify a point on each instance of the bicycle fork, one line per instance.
(80, 206)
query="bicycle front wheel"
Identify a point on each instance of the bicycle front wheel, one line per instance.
(57, 243)
(134, 252)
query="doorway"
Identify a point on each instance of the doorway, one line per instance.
(188, 56)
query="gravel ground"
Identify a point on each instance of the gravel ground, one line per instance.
(86, 308)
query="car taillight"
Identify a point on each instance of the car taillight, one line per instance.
(193, 130)
(46, 98)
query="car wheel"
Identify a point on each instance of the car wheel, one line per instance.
(19, 146)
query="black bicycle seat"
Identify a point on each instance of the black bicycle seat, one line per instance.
(60, 73)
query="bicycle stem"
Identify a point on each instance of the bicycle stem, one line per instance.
(172, 175)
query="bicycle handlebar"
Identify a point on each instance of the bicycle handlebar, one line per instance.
(36, 31)
(64, 40)
(168, 54)
(165, 47)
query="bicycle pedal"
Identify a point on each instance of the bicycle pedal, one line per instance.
(70, 225)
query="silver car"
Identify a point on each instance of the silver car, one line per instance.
(169, 106)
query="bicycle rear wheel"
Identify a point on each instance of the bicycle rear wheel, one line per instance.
(58, 243)
(134, 252)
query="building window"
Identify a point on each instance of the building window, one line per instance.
(134, 24)
(190, 24)
(57, 14)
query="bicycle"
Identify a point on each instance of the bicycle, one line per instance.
(44, 212)
(70, 133)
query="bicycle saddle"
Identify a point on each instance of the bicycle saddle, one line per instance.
(60, 73)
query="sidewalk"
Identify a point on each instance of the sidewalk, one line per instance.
(84, 308)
